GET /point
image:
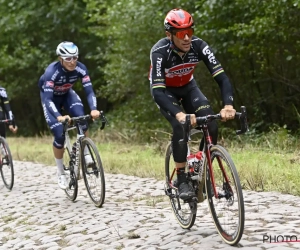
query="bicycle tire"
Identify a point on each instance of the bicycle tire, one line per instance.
(182, 211)
(93, 175)
(221, 159)
(7, 162)
(72, 190)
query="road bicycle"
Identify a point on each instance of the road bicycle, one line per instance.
(6, 162)
(214, 178)
(93, 174)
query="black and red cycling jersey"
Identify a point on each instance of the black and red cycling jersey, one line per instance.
(169, 69)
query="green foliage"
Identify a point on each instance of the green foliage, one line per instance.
(132, 28)
(257, 43)
(30, 32)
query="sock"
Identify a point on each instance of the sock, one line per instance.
(60, 166)
(181, 177)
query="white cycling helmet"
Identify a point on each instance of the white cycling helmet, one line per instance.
(67, 49)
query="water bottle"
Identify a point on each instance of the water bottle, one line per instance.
(191, 160)
(199, 160)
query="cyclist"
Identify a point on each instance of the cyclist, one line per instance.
(56, 93)
(6, 113)
(173, 61)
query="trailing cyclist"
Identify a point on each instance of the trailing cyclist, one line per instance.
(6, 113)
(56, 93)
(173, 61)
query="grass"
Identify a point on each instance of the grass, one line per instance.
(261, 167)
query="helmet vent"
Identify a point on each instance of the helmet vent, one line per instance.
(177, 24)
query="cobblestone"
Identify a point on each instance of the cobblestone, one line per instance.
(136, 214)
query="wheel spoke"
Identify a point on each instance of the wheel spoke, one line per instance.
(228, 208)
(93, 174)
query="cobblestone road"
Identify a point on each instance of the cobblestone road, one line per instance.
(136, 215)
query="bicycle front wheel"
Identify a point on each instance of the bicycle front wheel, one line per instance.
(6, 164)
(226, 201)
(93, 174)
(185, 212)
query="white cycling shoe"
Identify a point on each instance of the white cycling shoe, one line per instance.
(62, 181)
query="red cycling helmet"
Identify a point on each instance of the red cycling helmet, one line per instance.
(178, 19)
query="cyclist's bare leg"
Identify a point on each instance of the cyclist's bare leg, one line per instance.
(180, 165)
(58, 152)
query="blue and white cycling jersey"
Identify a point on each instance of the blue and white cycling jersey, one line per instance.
(56, 81)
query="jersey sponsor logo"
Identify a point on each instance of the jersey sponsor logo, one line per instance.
(180, 70)
(52, 105)
(48, 90)
(49, 84)
(76, 104)
(202, 107)
(87, 84)
(54, 75)
(211, 57)
(94, 101)
(63, 88)
(55, 125)
(86, 79)
(10, 115)
(158, 66)
(62, 79)
(3, 93)
(46, 114)
(80, 70)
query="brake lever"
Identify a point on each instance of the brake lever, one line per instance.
(104, 121)
(243, 121)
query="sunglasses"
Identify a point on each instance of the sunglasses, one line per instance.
(69, 58)
(181, 33)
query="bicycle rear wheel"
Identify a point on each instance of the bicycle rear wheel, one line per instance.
(185, 212)
(72, 189)
(227, 210)
(93, 174)
(6, 164)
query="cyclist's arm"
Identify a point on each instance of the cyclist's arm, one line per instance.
(88, 88)
(48, 96)
(5, 100)
(158, 86)
(217, 72)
